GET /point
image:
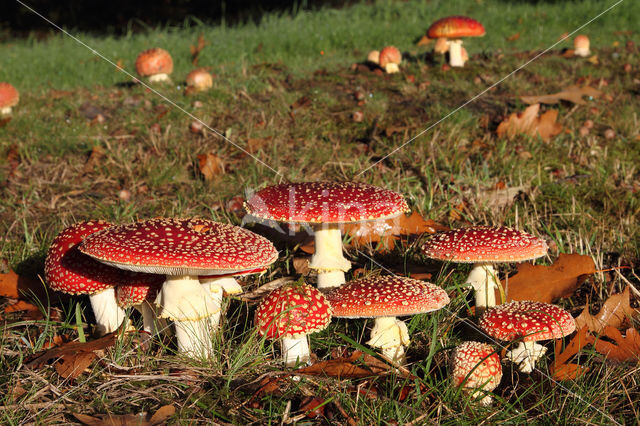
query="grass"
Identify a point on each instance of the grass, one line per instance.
(579, 192)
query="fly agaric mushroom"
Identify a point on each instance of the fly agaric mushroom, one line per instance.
(374, 57)
(199, 80)
(141, 295)
(385, 298)
(455, 27)
(326, 205)
(155, 63)
(290, 313)
(484, 246)
(69, 271)
(9, 98)
(182, 249)
(390, 58)
(581, 46)
(528, 322)
(476, 368)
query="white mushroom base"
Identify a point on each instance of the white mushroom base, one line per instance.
(108, 314)
(391, 335)
(455, 53)
(582, 51)
(391, 68)
(159, 78)
(328, 258)
(189, 304)
(5, 111)
(484, 401)
(217, 287)
(526, 354)
(151, 324)
(484, 280)
(295, 350)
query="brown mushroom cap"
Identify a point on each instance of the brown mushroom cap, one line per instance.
(154, 61)
(476, 365)
(293, 311)
(69, 271)
(385, 296)
(484, 244)
(180, 247)
(9, 96)
(455, 27)
(325, 202)
(528, 321)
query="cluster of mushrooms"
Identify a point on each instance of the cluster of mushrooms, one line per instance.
(177, 271)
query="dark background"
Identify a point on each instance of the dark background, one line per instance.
(117, 17)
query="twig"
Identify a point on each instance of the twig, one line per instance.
(34, 406)
(260, 291)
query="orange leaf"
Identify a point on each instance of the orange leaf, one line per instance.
(568, 371)
(614, 312)
(513, 37)
(211, 166)
(21, 306)
(625, 348)
(345, 367)
(572, 94)
(548, 283)
(15, 286)
(528, 123)
(561, 370)
(195, 50)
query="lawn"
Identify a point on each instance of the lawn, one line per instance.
(293, 100)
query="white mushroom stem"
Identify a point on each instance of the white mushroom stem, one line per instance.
(295, 350)
(158, 78)
(328, 258)
(108, 314)
(484, 401)
(526, 354)
(391, 335)
(189, 304)
(5, 111)
(455, 53)
(484, 280)
(150, 321)
(217, 287)
(391, 68)
(583, 51)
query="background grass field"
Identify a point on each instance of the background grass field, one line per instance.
(60, 164)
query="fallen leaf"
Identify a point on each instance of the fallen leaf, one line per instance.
(313, 406)
(561, 368)
(384, 233)
(513, 37)
(195, 50)
(301, 265)
(614, 312)
(549, 283)
(302, 102)
(159, 417)
(21, 306)
(211, 166)
(71, 359)
(95, 156)
(625, 348)
(254, 144)
(346, 367)
(162, 414)
(16, 286)
(496, 199)
(528, 123)
(571, 94)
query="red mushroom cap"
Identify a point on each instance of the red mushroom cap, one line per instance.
(293, 311)
(385, 296)
(325, 202)
(69, 271)
(389, 55)
(455, 27)
(484, 244)
(527, 320)
(476, 365)
(180, 247)
(200, 79)
(154, 61)
(9, 96)
(137, 288)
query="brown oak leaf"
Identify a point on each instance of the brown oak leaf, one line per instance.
(573, 94)
(624, 348)
(614, 312)
(529, 123)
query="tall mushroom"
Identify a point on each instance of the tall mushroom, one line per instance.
(454, 28)
(484, 246)
(476, 368)
(385, 298)
(69, 271)
(9, 98)
(155, 63)
(326, 205)
(182, 249)
(290, 313)
(527, 322)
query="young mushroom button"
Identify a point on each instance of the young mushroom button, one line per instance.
(454, 28)
(385, 298)
(290, 313)
(326, 205)
(484, 246)
(476, 368)
(527, 322)
(182, 249)
(9, 98)
(156, 64)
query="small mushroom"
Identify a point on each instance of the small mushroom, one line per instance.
(156, 64)
(476, 368)
(199, 80)
(9, 98)
(484, 246)
(374, 57)
(527, 322)
(385, 298)
(290, 313)
(453, 28)
(581, 46)
(390, 58)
